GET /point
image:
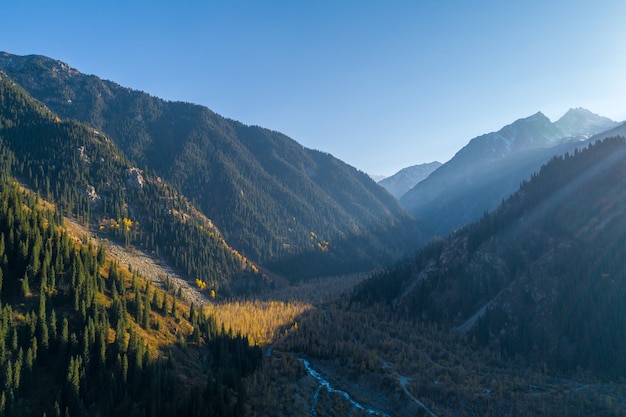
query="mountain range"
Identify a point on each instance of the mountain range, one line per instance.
(491, 167)
(273, 200)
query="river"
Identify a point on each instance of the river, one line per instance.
(323, 383)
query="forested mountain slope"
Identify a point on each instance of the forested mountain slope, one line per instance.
(270, 197)
(80, 335)
(84, 173)
(542, 278)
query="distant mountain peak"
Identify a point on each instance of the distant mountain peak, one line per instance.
(535, 119)
(579, 112)
(405, 179)
(582, 122)
(535, 131)
(539, 116)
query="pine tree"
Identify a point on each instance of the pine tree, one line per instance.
(146, 309)
(24, 286)
(174, 311)
(64, 340)
(53, 326)
(8, 376)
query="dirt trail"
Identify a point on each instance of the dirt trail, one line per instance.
(404, 381)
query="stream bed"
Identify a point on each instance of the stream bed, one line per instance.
(323, 383)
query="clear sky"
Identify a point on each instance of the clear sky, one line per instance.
(379, 84)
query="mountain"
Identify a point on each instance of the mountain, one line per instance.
(377, 178)
(89, 179)
(619, 130)
(270, 197)
(582, 122)
(405, 179)
(491, 166)
(542, 278)
(81, 334)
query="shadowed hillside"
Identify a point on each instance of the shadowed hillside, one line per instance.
(266, 193)
(88, 178)
(542, 277)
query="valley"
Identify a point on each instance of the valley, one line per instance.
(439, 373)
(363, 360)
(369, 381)
(239, 273)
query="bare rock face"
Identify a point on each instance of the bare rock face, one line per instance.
(135, 178)
(80, 154)
(90, 192)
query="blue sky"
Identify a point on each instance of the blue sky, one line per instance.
(378, 84)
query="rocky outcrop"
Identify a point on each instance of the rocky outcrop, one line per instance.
(90, 192)
(135, 178)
